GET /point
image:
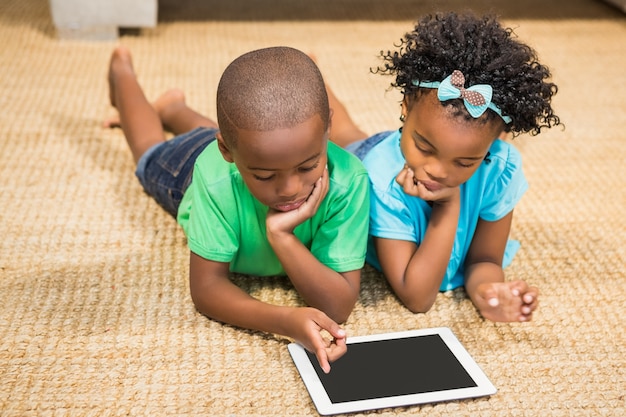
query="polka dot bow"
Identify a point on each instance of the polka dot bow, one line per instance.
(476, 97)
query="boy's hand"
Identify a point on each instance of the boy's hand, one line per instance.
(278, 222)
(307, 326)
(411, 186)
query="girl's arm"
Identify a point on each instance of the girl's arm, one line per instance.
(415, 272)
(215, 296)
(483, 263)
(494, 298)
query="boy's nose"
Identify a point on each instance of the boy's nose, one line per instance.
(290, 186)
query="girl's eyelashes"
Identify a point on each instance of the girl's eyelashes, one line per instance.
(428, 152)
(421, 146)
(424, 150)
(469, 165)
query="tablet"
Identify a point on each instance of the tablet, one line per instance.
(392, 370)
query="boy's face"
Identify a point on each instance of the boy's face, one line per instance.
(280, 167)
(443, 151)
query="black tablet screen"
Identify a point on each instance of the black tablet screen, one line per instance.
(387, 368)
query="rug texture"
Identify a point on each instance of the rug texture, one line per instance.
(95, 313)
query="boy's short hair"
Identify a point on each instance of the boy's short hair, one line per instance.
(267, 89)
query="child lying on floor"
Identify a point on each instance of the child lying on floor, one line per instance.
(444, 185)
(265, 194)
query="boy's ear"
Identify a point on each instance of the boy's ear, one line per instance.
(330, 121)
(224, 150)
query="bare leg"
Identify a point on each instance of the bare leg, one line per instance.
(343, 129)
(176, 116)
(140, 122)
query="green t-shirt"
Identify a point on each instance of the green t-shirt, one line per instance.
(223, 222)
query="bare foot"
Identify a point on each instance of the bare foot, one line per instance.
(120, 62)
(507, 301)
(112, 122)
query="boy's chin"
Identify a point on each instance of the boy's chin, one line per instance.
(288, 206)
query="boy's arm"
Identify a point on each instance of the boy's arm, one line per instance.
(320, 286)
(215, 296)
(415, 272)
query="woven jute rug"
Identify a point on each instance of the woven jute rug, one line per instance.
(95, 313)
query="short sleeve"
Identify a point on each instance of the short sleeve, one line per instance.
(393, 213)
(392, 216)
(209, 233)
(506, 183)
(341, 240)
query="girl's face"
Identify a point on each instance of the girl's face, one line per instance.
(442, 150)
(280, 167)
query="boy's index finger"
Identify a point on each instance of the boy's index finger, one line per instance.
(322, 358)
(327, 324)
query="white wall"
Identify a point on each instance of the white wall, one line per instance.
(100, 19)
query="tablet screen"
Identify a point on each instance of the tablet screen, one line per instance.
(393, 369)
(412, 365)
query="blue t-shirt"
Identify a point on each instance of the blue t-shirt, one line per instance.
(490, 194)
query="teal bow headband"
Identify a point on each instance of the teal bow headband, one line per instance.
(477, 98)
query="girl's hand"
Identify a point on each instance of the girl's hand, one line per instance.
(279, 222)
(411, 186)
(318, 334)
(507, 301)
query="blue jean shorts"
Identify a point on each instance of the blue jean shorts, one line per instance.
(165, 169)
(362, 147)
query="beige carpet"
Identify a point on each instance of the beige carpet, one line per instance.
(95, 314)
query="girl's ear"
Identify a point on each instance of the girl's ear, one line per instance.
(223, 147)
(404, 109)
(408, 100)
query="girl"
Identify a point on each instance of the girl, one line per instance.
(444, 186)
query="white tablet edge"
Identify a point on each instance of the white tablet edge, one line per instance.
(325, 407)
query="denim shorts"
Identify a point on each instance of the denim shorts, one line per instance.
(165, 169)
(362, 147)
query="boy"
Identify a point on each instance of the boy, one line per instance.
(269, 194)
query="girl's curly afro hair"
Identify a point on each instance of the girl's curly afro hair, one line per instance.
(485, 53)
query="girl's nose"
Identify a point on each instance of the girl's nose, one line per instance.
(435, 170)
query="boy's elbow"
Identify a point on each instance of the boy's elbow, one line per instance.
(418, 304)
(340, 312)
(340, 317)
(200, 303)
(197, 302)
(418, 308)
